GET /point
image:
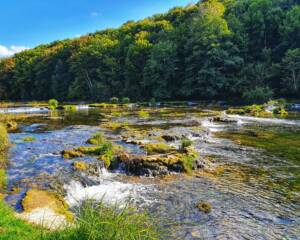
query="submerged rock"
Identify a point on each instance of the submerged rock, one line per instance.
(204, 207)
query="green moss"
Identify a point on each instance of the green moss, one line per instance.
(143, 114)
(3, 180)
(72, 154)
(80, 166)
(114, 125)
(71, 108)
(29, 139)
(283, 143)
(153, 148)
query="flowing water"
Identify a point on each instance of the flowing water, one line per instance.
(254, 195)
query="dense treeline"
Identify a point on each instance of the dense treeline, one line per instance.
(228, 50)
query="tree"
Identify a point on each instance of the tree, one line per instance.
(291, 71)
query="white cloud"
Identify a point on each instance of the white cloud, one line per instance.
(8, 51)
(95, 14)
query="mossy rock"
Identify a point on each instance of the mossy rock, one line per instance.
(29, 139)
(153, 148)
(204, 207)
(36, 198)
(81, 166)
(12, 125)
(72, 154)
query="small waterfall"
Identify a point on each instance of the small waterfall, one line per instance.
(102, 171)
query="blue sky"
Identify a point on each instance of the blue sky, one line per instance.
(25, 24)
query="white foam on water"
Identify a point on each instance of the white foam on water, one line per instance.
(212, 127)
(24, 110)
(44, 217)
(108, 191)
(82, 107)
(265, 120)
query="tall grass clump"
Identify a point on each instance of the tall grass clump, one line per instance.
(4, 142)
(96, 221)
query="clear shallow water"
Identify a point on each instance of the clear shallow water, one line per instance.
(245, 203)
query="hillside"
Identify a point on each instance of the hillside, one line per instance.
(245, 50)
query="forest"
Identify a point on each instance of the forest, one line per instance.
(245, 51)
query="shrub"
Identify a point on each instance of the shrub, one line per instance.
(114, 100)
(152, 102)
(53, 104)
(125, 100)
(258, 95)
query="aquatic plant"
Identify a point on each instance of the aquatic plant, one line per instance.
(53, 104)
(143, 114)
(97, 139)
(185, 143)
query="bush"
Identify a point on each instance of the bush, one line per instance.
(153, 102)
(114, 100)
(259, 95)
(96, 221)
(125, 100)
(53, 104)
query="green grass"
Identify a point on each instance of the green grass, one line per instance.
(97, 222)
(94, 221)
(12, 228)
(4, 142)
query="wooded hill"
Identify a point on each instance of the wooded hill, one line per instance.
(245, 50)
